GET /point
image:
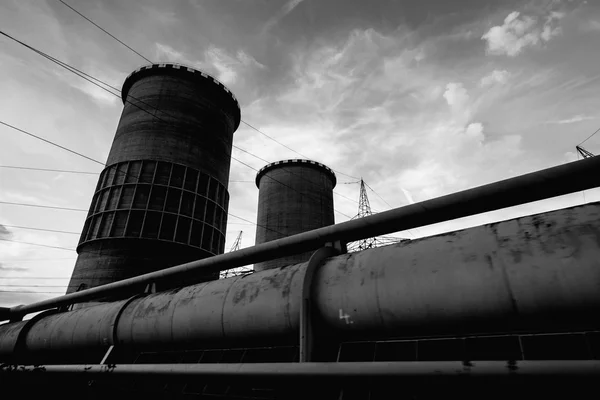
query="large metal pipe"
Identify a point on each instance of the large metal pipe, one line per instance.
(354, 370)
(539, 272)
(556, 181)
(91, 327)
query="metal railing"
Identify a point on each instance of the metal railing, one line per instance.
(401, 370)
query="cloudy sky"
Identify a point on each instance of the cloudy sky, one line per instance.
(420, 98)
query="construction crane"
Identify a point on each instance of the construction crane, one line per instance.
(364, 210)
(584, 153)
(236, 271)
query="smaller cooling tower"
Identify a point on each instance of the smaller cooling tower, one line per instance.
(294, 196)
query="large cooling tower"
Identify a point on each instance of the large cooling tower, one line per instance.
(162, 199)
(294, 196)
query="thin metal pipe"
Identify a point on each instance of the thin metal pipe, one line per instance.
(556, 181)
(410, 369)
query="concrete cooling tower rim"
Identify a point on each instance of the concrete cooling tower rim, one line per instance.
(175, 69)
(296, 162)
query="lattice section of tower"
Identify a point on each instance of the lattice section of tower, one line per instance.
(364, 210)
(584, 153)
(236, 271)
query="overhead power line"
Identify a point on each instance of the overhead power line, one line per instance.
(80, 209)
(244, 122)
(80, 277)
(36, 259)
(382, 199)
(583, 152)
(38, 244)
(345, 197)
(105, 31)
(286, 169)
(98, 173)
(288, 186)
(40, 277)
(40, 229)
(273, 139)
(283, 184)
(94, 81)
(43, 206)
(29, 292)
(90, 173)
(49, 141)
(45, 286)
(589, 137)
(50, 170)
(342, 173)
(289, 148)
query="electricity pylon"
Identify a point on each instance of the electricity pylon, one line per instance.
(584, 153)
(236, 271)
(364, 210)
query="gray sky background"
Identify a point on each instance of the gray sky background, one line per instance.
(420, 98)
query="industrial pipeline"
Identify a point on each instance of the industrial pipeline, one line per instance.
(555, 181)
(539, 273)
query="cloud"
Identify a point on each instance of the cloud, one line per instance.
(223, 64)
(405, 108)
(8, 299)
(3, 267)
(4, 232)
(474, 131)
(248, 61)
(456, 95)
(366, 93)
(570, 156)
(591, 25)
(165, 52)
(285, 10)
(99, 95)
(459, 101)
(408, 196)
(572, 120)
(216, 61)
(519, 32)
(496, 76)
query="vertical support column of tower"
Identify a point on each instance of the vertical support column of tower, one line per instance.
(162, 199)
(295, 196)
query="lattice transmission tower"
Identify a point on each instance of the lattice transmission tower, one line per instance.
(364, 210)
(584, 153)
(236, 271)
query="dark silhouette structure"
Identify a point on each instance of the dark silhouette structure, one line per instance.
(162, 199)
(294, 196)
(500, 310)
